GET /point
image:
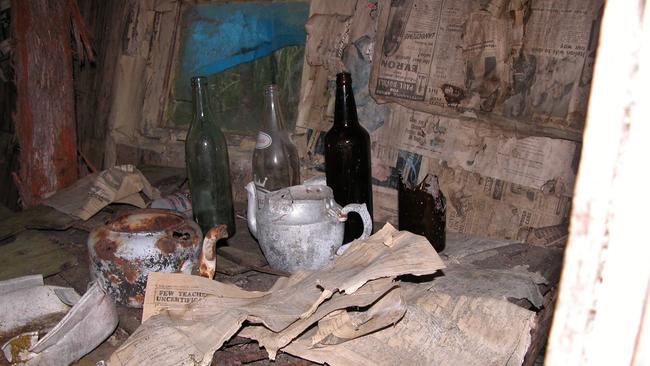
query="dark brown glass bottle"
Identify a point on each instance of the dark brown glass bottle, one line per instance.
(347, 157)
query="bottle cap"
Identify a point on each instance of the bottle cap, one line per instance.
(199, 80)
(271, 88)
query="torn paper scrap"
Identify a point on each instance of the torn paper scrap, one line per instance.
(490, 283)
(176, 291)
(363, 297)
(120, 184)
(25, 300)
(78, 324)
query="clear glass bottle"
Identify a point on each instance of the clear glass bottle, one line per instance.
(275, 159)
(347, 157)
(206, 156)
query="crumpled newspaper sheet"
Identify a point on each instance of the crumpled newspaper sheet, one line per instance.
(74, 324)
(463, 317)
(353, 312)
(188, 332)
(119, 184)
(437, 329)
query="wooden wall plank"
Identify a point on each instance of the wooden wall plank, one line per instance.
(94, 82)
(601, 316)
(45, 115)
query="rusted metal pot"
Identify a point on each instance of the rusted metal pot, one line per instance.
(124, 251)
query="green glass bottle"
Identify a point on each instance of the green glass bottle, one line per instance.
(206, 156)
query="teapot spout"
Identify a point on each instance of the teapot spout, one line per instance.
(208, 258)
(251, 212)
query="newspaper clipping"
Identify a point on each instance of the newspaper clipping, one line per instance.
(523, 65)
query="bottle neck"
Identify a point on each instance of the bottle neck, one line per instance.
(345, 109)
(200, 98)
(273, 119)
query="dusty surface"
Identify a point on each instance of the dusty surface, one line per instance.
(243, 253)
(239, 350)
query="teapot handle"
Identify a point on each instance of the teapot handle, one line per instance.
(362, 210)
(208, 257)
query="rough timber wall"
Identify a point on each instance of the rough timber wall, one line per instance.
(94, 81)
(45, 124)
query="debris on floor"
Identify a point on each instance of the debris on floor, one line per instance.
(359, 309)
(489, 303)
(73, 325)
(182, 330)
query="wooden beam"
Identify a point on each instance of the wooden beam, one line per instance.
(45, 114)
(602, 311)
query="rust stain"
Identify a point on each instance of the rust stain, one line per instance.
(203, 268)
(101, 234)
(166, 245)
(217, 233)
(159, 223)
(211, 250)
(131, 270)
(20, 344)
(125, 277)
(147, 221)
(106, 249)
(41, 324)
(139, 298)
(211, 238)
(207, 265)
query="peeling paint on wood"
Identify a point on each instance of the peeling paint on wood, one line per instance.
(45, 119)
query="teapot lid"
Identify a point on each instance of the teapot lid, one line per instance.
(147, 220)
(305, 193)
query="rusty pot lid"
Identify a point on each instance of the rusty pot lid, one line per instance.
(147, 221)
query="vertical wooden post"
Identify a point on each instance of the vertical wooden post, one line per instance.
(603, 310)
(45, 114)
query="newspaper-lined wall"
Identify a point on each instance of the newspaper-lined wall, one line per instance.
(497, 182)
(518, 64)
